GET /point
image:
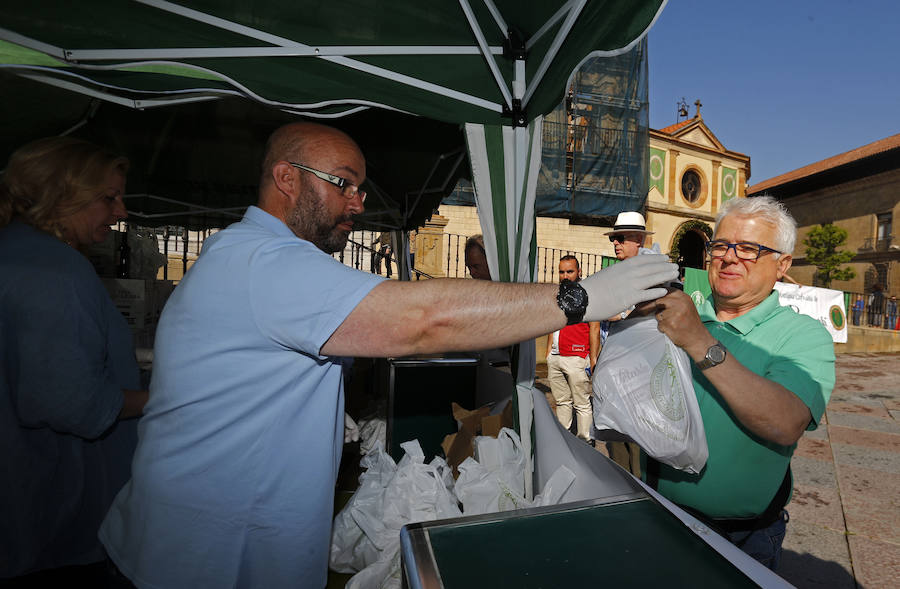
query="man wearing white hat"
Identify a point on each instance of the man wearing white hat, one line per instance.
(628, 236)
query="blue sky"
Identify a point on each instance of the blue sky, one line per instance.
(787, 82)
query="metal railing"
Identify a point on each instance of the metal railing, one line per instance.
(866, 310)
(365, 252)
(589, 139)
(547, 260)
(878, 244)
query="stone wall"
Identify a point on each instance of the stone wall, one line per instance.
(869, 340)
(853, 206)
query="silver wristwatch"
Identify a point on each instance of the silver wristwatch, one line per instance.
(715, 355)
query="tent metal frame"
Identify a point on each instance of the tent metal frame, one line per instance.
(515, 98)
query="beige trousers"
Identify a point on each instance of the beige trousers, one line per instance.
(571, 387)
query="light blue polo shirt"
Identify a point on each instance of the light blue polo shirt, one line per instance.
(743, 471)
(239, 446)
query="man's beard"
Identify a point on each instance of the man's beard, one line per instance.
(310, 220)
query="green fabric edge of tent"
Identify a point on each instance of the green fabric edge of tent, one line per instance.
(10, 53)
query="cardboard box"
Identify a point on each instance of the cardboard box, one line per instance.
(461, 445)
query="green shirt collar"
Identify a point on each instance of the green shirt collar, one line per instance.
(746, 322)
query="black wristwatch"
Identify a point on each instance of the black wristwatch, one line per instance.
(573, 300)
(715, 355)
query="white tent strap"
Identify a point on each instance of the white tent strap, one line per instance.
(298, 108)
(30, 43)
(522, 159)
(561, 35)
(511, 169)
(482, 43)
(527, 266)
(113, 98)
(498, 18)
(481, 182)
(525, 399)
(562, 12)
(343, 61)
(295, 50)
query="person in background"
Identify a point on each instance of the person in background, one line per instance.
(68, 373)
(628, 236)
(890, 321)
(571, 356)
(876, 306)
(857, 307)
(476, 258)
(413, 236)
(383, 253)
(762, 374)
(235, 469)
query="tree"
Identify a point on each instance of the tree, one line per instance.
(821, 244)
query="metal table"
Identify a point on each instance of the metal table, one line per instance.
(624, 541)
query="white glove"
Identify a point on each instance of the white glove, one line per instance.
(617, 287)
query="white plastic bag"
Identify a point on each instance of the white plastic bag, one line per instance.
(495, 479)
(643, 388)
(365, 537)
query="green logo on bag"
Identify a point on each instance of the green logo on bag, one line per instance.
(665, 388)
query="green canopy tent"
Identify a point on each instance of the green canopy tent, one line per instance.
(494, 66)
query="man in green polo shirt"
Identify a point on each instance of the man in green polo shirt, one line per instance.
(762, 374)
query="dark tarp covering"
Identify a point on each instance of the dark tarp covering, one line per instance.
(208, 154)
(595, 144)
(595, 155)
(268, 60)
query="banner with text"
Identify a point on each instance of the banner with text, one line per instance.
(822, 304)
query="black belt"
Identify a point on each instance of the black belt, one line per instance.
(738, 524)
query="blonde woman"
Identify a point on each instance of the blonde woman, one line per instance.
(67, 361)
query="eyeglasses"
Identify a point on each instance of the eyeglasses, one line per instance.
(744, 250)
(348, 190)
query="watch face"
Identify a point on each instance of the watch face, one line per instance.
(572, 296)
(716, 353)
(572, 299)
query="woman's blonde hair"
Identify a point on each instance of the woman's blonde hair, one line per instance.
(52, 178)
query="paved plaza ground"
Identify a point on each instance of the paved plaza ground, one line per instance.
(844, 531)
(845, 512)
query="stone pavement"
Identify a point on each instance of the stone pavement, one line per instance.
(844, 531)
(845, 512)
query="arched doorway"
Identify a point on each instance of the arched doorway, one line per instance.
(693, 254)
(688, 244)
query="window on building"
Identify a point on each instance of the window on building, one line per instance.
(883, 236)
(690, 186)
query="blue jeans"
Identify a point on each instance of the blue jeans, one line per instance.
(765, 544)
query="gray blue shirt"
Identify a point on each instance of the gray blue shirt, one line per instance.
(66, 353)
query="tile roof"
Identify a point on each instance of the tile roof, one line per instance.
(880, 146)
(672, 128)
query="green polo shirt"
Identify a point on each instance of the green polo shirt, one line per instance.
(743, 471)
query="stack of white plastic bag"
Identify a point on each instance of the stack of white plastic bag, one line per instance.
(494, 480)
(366, 534)
(643, 388)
